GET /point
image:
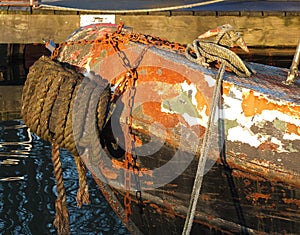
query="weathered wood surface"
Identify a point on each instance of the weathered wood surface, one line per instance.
(260, 30)
(19, 3)
(32, 28)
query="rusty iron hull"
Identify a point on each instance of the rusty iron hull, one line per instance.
(252, 182)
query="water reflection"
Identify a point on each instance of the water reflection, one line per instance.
(28, 193)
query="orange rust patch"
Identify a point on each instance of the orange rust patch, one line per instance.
(108, 173)
(172, 185)
(75, 54)
(121, 165)
(205, 197)
(98, 47)
(226, 88)
(160, 74)
(201, 102)
(247, 182)
(245, 175)
(268, 146)
(156, 207)
(149, 183)
(198, 130)
(146, 171)
(291, 201)
(97, 50)
(117, 164)
(256, 196)
(138, 142)
(169, 210)
(254, 104)
(292, 129)
(153, 109)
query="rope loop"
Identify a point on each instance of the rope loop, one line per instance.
(203, 53)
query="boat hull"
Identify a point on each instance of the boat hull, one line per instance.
(252, 176)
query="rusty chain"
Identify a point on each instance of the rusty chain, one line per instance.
(131, 165)
(119, 37)
(128, 82)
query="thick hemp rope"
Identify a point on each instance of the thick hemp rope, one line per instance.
(50, 92)
(83, 191)
(61, 221)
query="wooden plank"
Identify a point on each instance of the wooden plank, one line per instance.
(265, 31)
(19, 3)
(258, 30)
(19, 10)
(32, 28)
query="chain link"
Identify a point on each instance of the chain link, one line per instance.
(119, 37)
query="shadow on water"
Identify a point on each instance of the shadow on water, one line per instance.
(28, 193)
(27, 183)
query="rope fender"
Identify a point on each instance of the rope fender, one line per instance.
(50, 92)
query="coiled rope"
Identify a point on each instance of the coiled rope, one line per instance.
(201, 52)
(50, 92)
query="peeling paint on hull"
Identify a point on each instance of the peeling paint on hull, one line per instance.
(254, 186)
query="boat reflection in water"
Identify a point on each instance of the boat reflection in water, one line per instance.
(28, 193)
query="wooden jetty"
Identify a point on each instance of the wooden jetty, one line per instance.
(262, 23)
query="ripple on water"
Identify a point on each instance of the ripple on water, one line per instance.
(27, 189)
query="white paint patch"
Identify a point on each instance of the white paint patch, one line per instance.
(204, 117)
(210, 80)
(190, 89)
(280, 148)
(243, 135)
(291, 136)
(96, 19)
(164, 110)
(233, 111)
(192, 121)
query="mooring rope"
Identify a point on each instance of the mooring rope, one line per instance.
(203, 155)
(215, 52)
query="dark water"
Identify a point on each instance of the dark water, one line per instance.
(28, 193)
